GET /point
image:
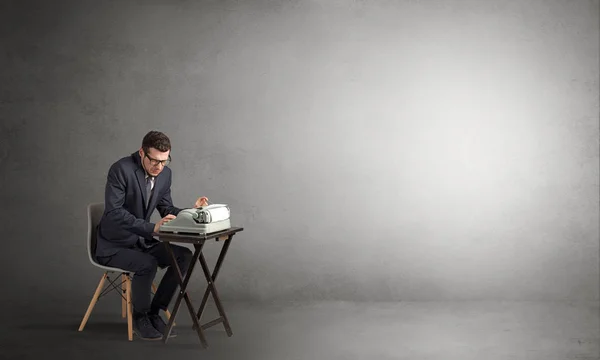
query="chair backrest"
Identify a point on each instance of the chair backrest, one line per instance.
(94, 214)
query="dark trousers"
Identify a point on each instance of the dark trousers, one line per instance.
(144, 263)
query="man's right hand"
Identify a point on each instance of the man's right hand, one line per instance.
(162, 221)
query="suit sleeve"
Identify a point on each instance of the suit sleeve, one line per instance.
(114, 198)
(165, 203)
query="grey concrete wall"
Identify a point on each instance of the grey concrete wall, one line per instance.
(381, 150)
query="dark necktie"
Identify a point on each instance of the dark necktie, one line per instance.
(148, 190)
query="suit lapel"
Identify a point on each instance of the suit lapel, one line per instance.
(141, 178)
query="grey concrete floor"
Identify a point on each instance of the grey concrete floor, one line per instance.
(328, 330)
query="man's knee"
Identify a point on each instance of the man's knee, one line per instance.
(184, 256)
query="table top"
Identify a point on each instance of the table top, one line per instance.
(195, 238)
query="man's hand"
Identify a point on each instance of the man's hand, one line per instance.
(202, 201)
(162, 221)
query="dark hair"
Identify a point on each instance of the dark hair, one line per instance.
(157, 140)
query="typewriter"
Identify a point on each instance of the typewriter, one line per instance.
(203, 220)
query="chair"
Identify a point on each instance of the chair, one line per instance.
(94, 213)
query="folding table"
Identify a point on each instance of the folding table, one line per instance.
(198, 240)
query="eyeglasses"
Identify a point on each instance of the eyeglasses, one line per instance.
(156, 162)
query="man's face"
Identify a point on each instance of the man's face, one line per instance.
(154, 161)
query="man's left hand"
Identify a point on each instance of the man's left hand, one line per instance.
(202, 201)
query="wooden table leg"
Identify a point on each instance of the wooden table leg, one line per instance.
(183, 293)
(211, 288)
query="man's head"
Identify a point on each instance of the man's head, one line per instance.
(155, 152)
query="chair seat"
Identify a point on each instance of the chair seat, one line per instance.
(111, 269)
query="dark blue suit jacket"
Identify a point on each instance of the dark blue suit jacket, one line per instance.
(125, 217)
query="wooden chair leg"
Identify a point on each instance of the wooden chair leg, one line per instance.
(129, 307)
(93, 302)
(167, 312)
(124, 292)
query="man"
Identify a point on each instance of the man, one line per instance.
(135, 186)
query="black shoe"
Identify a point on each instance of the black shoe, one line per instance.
(160, 325)
(144, 328)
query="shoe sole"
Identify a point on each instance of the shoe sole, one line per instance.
(153, 339)
(146, 338)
